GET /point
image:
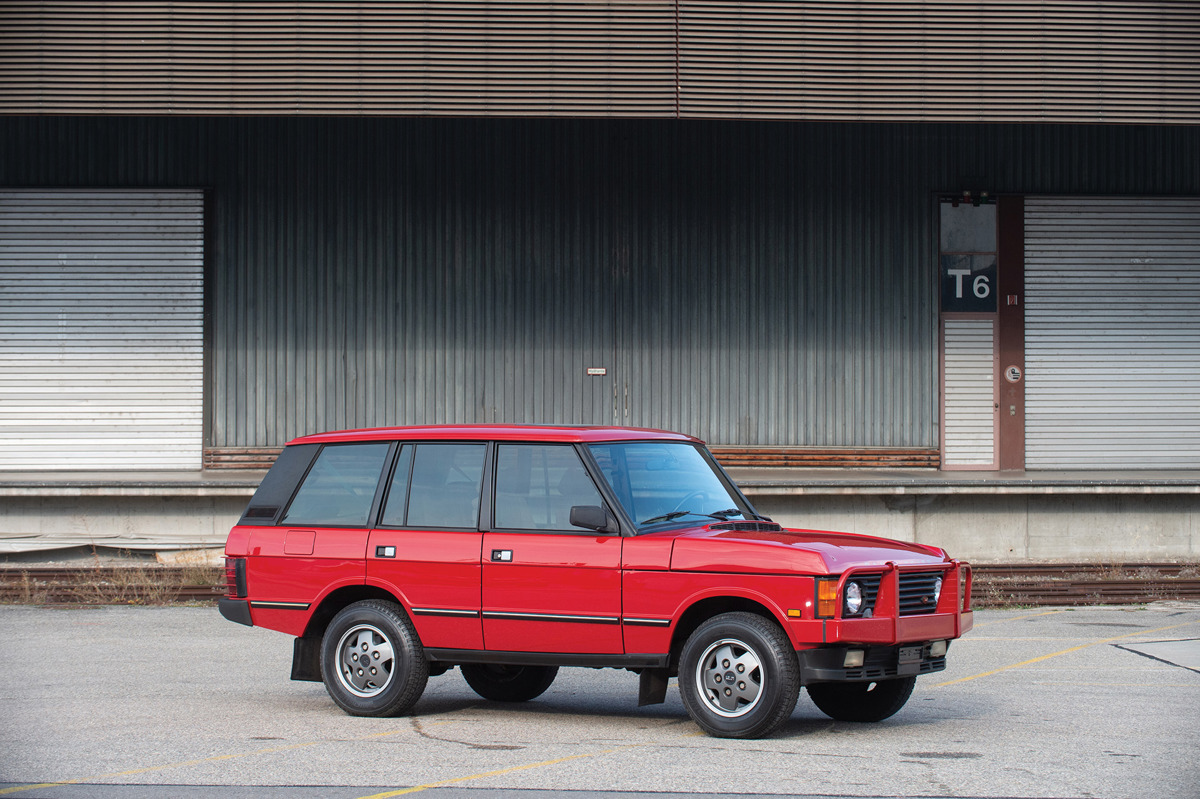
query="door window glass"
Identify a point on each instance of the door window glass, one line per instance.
(538, 484)
(446, 484)
(339, 488)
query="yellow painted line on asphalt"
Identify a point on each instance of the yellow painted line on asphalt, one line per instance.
(496, 773)
(1039, 659)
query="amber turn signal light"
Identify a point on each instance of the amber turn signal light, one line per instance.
(827, 598)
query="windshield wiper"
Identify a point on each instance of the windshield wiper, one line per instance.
(722, 515)
(669, 517)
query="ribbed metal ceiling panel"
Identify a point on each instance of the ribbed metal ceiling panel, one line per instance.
(514, 58)
(979, 61)
(1070, 61)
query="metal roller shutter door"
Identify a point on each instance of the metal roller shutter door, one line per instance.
(1112, 333)
(101, 330)
(969, 374)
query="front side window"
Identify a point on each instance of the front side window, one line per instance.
(339, 488)
(538, 484)
(659, 482)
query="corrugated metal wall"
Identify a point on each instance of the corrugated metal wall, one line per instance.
(751, 283)
(937, 60)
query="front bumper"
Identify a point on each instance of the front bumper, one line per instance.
(827, 664)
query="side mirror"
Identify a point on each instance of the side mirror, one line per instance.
(593, 517)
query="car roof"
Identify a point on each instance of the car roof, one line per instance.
(495, 432)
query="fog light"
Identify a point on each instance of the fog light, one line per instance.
(854, 658)
(938, 649)
(854, 599)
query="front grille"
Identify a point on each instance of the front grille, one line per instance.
(917, 593)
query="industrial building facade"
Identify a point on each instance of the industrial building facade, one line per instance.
(960, 244)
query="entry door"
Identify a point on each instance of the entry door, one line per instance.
(548, 586)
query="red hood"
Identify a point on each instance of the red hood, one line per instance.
(790, 551)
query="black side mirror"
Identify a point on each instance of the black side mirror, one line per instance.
(593, 517)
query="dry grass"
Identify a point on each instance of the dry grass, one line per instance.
(104, 584)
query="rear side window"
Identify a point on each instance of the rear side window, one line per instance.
(279, 484)
(444, 489)
(339, 488)
(537, 484)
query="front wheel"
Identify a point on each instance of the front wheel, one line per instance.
(738, 676)
(372, 661)
(508, 683)
(862, 701)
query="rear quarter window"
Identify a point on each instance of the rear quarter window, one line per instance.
(339, 488)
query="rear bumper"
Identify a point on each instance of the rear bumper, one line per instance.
(235, 610)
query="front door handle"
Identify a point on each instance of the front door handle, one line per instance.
(502, 556)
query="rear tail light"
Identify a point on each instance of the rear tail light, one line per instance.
(235, 578)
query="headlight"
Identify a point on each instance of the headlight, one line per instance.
(937, 590)
(854, 599)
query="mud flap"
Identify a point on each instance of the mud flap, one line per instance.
(306, 659)
(652, 688)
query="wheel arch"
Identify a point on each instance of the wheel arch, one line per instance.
(704, 609)
(339, 598)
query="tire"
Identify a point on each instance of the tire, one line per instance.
(738, 676)
(862, 701)
(378, 636)
(508, 683)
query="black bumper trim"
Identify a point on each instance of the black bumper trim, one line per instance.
(880, 663)
(235, 610)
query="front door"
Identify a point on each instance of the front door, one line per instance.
(548, 586)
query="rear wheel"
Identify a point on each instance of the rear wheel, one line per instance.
(862, 701)
(372, 661)
(508, 683)
(738, 676)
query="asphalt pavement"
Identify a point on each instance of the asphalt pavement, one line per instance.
(133, 702)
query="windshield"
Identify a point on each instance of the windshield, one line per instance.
(665, 481)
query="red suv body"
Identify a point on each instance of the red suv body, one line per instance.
(395, 554)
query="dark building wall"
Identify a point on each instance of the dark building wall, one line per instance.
(752, 283)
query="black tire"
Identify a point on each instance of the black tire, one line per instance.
(862, 701)
(378, 637)
(508, 683)
(738, 676)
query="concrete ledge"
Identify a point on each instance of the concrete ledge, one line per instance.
(129, 484)
(831, 482)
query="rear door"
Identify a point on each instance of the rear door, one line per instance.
(548, 586)
(426, 545)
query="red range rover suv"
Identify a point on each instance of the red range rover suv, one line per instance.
(396, 554)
